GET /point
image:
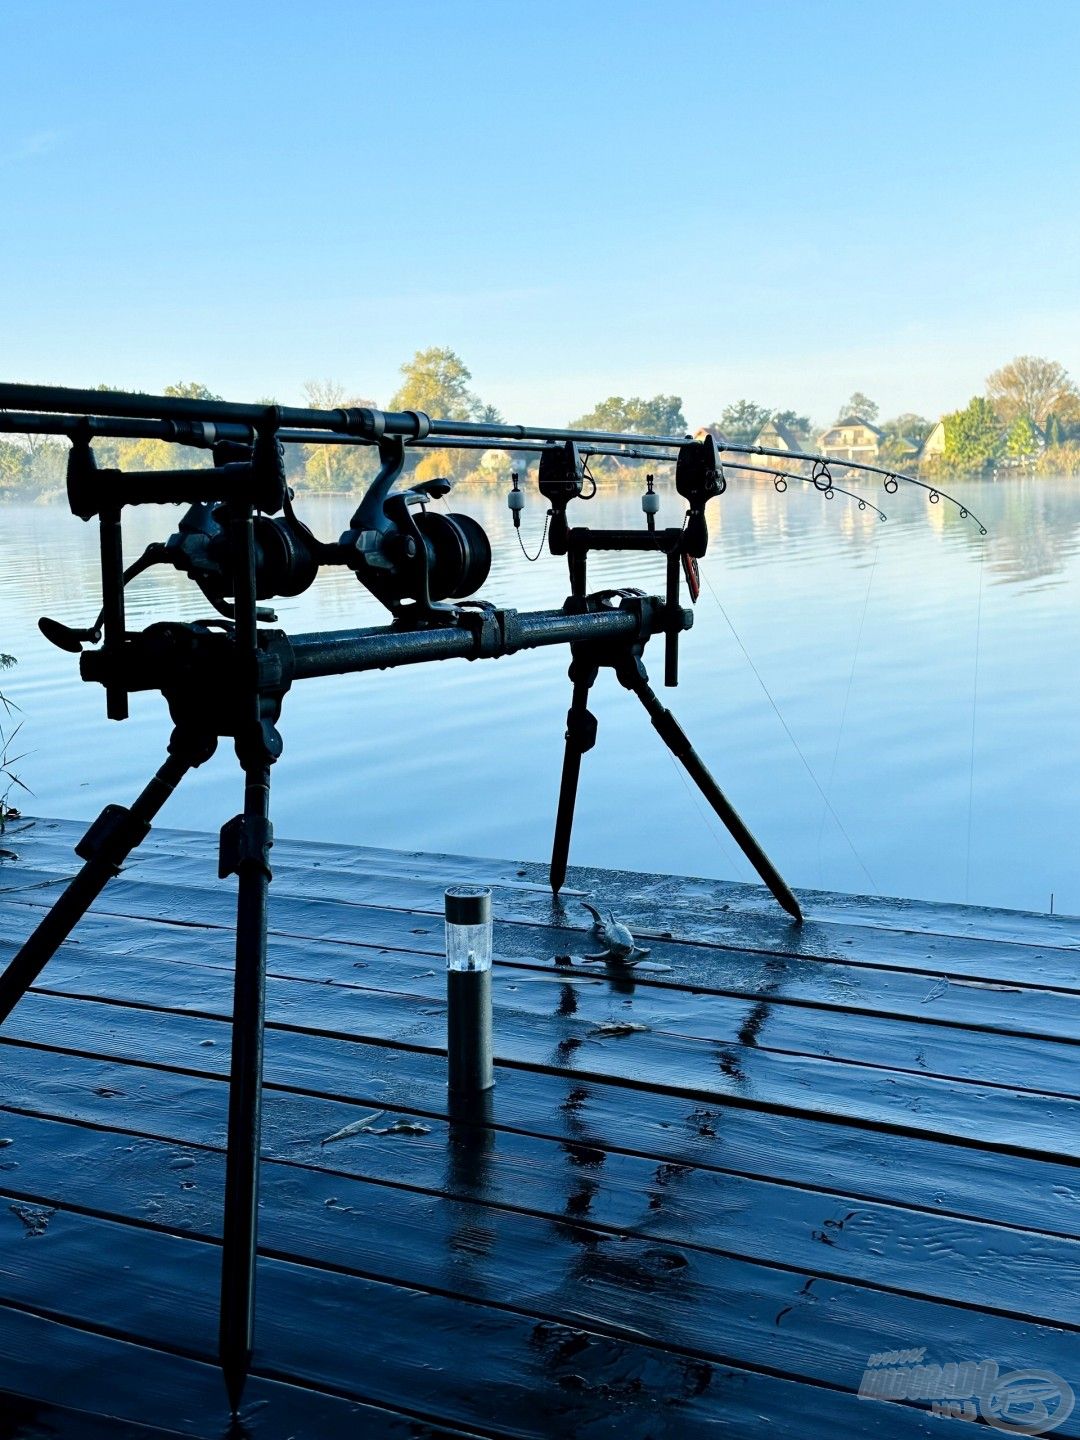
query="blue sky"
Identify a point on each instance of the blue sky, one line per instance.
(774, 200)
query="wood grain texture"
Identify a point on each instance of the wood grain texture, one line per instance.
(813, 1145)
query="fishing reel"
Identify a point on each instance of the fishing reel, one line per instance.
(286, 554)
(409, 557)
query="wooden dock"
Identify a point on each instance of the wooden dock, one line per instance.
(712, 1188)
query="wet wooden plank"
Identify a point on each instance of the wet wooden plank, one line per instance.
(695, 910)
(32, 1419)
(67, 1382)
(702, 958)
(733, 904)
(405, 1346)
(795, 1154)
(408, 945)
(514, 1366)
(47, 1358)
(590, 1000)
(33, 835)
(540, 1207)
(982, 1116)
(671, 1132)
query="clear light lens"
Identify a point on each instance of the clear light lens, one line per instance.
(468, 947)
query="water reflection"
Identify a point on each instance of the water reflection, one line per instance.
(470, 1152)
(1036, 535)
(950, 779)
(585, 1159)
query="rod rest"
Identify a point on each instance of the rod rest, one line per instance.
(198, 660)
(258, 481)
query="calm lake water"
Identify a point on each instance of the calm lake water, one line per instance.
(921, 739)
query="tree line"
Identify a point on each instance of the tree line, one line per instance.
(435, 380)
(1029, 416)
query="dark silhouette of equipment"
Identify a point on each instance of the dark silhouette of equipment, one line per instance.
(242, 543)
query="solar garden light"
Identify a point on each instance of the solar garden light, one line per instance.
(468, 989)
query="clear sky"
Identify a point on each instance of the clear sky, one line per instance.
(782, 201)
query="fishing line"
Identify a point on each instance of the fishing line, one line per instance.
(974, 703)
(791, 737)
(847, 697)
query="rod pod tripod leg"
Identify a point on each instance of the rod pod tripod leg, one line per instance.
(580, 738)
(112, 837)
(245, 852)
(632, 674)
(245, 845)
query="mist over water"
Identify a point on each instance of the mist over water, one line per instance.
(926, 676)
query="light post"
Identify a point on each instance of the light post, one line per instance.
(468, 990)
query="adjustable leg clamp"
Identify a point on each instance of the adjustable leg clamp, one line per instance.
(245, 840)
(581, 729)
(112, 836)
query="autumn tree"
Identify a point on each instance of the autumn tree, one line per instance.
(436, 381)
(40, 449)
(901, 439)
(324, 394)
(1055, 431)
(190, 390)
(658, 415)
(44, 464)
(13, 465)
(334, 468)
(156, 454)
(1032, 387)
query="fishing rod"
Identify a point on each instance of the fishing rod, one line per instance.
(780, 480)
(821, 476)
(421, 564)
(197, 433)
(613, 451)
(368, 426)
(363, 422)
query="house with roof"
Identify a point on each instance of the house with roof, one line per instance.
(851, 438)
(933, 447)
(713, 430)
(775, 436)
